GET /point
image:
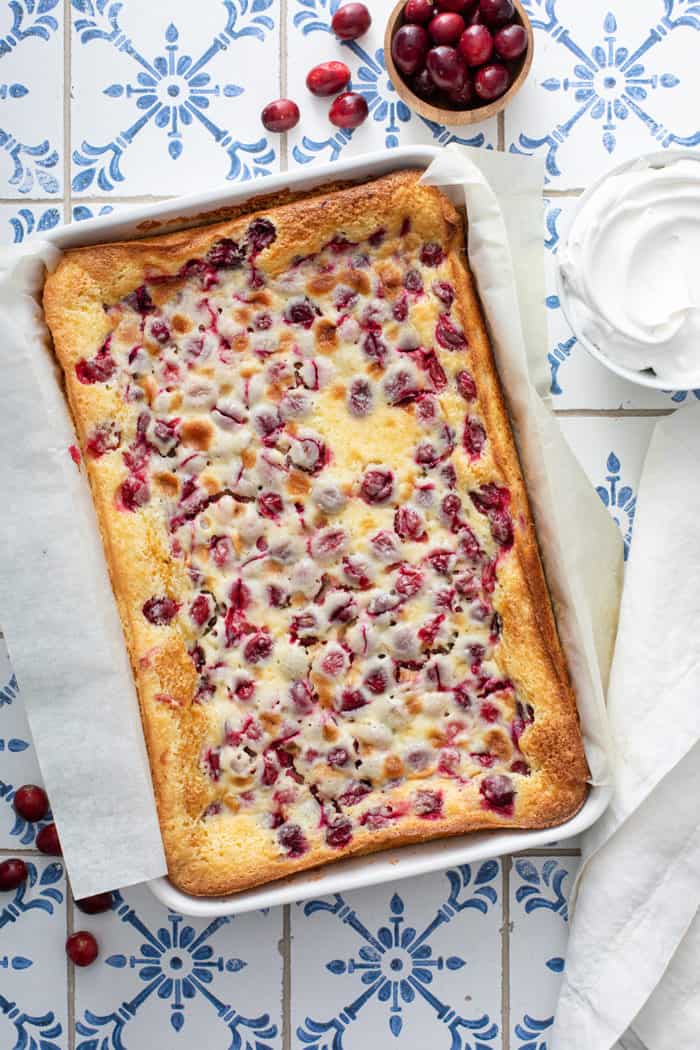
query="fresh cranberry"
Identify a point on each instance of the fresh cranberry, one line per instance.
(12, 874)
(377, 486)
(339, 832)
(258, 647)
(81, 948)
(446, 28)
(337, 757)
(291, 838)
(463, 7)
(133, 493)
(160, 611)
(95, 905)
(409, 48)
(446, 67)
(97, 369)
(498, 793)
(464, 96)
(474, 438)
(270, 504)
(511, 42)
(281, 115)
(409, 525)
(425, 87)
(418, 11)
(351, 21)
(360, 398)
(48, 842)
(492, 81)
(349, 110)
(327, 79)
(497, 12)
(431, 254)
(448, 336)
(226, 255)
(466, 386)
(476, 45)
(31, 802)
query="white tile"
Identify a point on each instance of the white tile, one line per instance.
(419, 964)
(18, 764)
(31, 98)
(33, 983)
(390, 123)
(162, 980)
(608, 82)
(166, 98)
(577, 379)
(539, 895)
(612, 452)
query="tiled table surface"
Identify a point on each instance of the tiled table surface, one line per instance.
(102, 103)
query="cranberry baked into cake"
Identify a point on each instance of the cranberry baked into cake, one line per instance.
(318, 534)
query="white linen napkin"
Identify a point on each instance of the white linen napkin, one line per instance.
(634, 952)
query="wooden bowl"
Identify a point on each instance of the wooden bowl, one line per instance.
(456, 116)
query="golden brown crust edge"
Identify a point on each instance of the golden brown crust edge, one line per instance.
(88, 277)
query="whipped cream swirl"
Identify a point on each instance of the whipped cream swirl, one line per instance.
(631, 270)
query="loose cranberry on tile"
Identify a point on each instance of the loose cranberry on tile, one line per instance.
(13, 873)
(96, 904)
(280, 115)
(31, 802)
(351, 21)
(328, 78)
(48, 841)
(349, 110)
(81, 948)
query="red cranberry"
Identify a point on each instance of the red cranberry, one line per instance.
(96, 369)
(140, 301)
(466, 386)
(462, 7)
(12, 874)
(350, 21)
(425, 87)
(428, 804)
(261, 233)
(160, 611)
(446, 67)
(449, 337)
(106, 437)
(327, 79)
(418, 11)
(226, 255)
(360, 399)
(446, 28)
(444, 292)
(337, 757)
(270, 504)
(339, 833)
(352, 700)
(133, 493)
(497, 12)
(464, 97)
(31, 802)
(491, 82)
(48, 841)
(301, 313)
(354, 793)
(431, 254)
(511, 41)
(409, 525)
(281, 115)
(376, 682)
(409, 48)
(81, 948)
(258, 647)
(377, 486)
(349, 110)
(291, 837)
(474, 438)
(476, 45)
(96, 904)
(498, 792)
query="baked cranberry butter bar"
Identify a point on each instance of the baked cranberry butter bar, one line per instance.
(318, 534)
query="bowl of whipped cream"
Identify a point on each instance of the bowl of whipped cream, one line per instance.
(629, 270)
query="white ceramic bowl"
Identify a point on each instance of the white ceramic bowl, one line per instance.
(647, 377)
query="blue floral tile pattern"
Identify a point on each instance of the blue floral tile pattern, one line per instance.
(17, 762)
(393, 975)
(619, 499)
(30, 97)
(175, 92)
(185, 976)
(32, 961)
(607, 86)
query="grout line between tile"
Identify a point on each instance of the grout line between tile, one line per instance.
(505, 954)
(501, 133)
(563, 193)
(70, 972)
(286, 950)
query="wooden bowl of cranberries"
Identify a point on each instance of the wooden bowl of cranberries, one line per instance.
(458, 61)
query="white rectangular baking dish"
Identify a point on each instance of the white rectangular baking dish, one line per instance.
(390, 865)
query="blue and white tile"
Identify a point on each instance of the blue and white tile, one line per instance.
(166, 99)
(18, 764)
(390, 123)
(33, 980)
(539, 912)
(608, 82)
(31, 98)
(612, 452)
(577, 379)
(414, 965)
(162, 980)
(20, 221)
